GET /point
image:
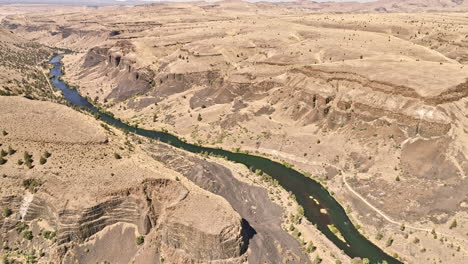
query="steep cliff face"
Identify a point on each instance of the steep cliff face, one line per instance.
(83, 203)
(163, 210)
(173, 83)
(272, 102)
(186, 236)
(339, 99)
(268, 244)
(310, 96)
(375, 97)
(119, 67)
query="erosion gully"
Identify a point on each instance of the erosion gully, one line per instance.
(311, 195)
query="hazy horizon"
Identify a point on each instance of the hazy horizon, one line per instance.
(135, 2)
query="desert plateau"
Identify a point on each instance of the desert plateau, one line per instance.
(232, 132)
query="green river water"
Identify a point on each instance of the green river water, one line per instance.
(302, 187)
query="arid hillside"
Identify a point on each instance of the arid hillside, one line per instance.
(372, 101)
(20, 69)
(384, 6)
(74, 189)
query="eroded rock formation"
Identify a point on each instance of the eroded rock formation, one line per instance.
(183, 226)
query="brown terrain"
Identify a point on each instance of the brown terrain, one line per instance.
(20, 72)
(81, 197)
(75, 190)
(369, 99)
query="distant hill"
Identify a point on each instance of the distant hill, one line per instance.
(75, 2)
(384, 6)
(19, 66)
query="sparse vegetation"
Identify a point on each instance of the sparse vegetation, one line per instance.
(28, 161)
(7, 212)
(31, 184)
(20, 227)
(379, 236)
(42, 161)
(11, 151)
(291, 105)
(49, 235)
(24, 57)
(28, 235)
(317, 260)
(287, 165)
(140, 240)
(453, 224)
(310, 248)
(389, 242)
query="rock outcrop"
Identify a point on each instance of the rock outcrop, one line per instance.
(269, 243)
(74, 202)
(186, 227)
(118, 65)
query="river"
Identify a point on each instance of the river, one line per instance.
(302, 187)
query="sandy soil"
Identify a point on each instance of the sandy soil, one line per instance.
(379, 98)
(82, 173)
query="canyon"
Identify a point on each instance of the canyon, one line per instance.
(368, 99)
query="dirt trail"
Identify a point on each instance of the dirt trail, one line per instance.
(393, 221)
(387, 218)
(48, 80)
